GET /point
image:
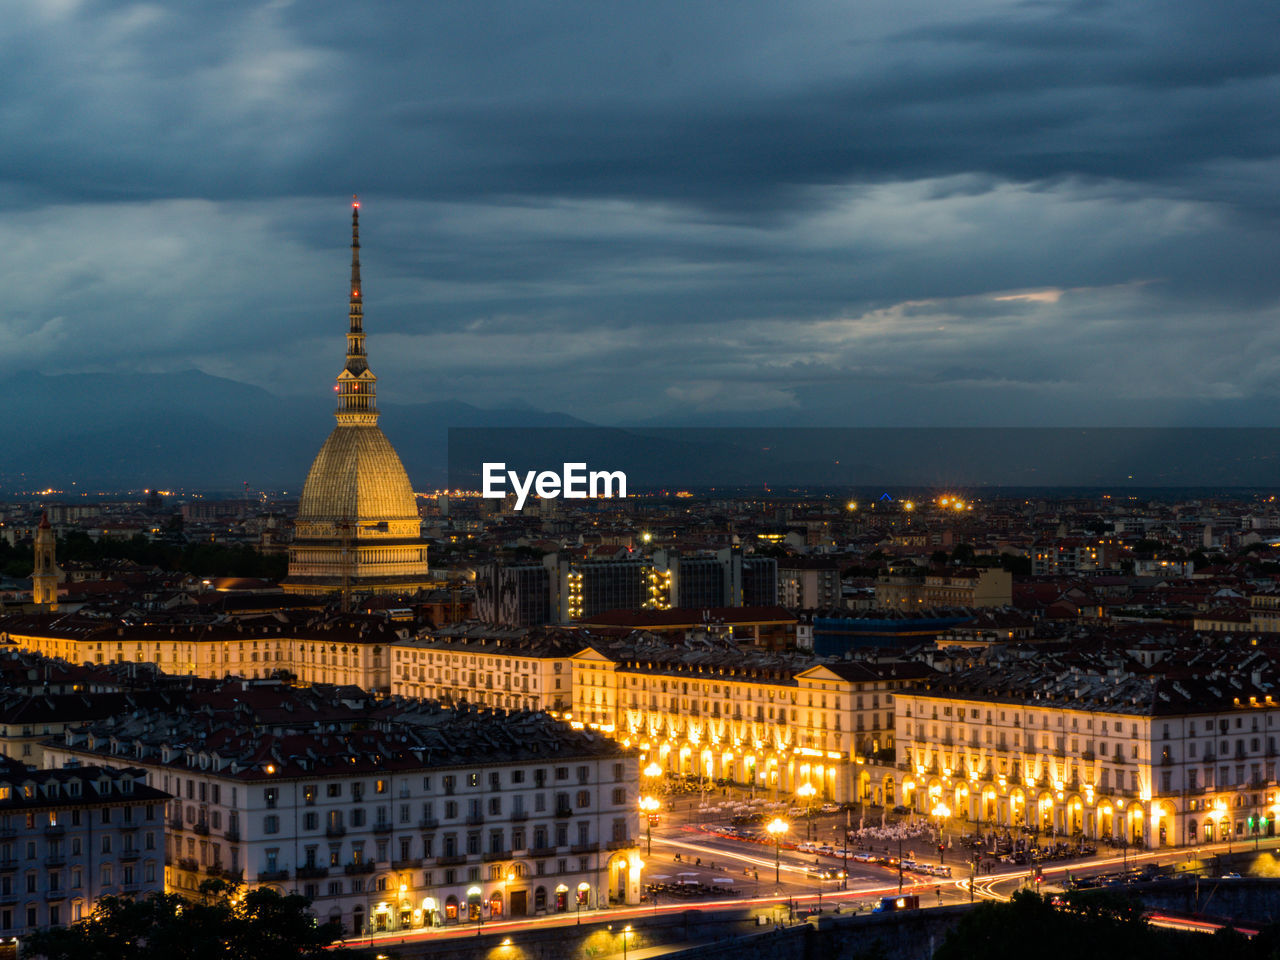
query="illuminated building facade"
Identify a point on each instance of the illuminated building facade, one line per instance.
(357, 529)
(445, 817)
(717, 711)
(340, 649)
(1143, 760)
(504, 668)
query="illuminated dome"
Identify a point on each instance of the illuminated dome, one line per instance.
(357, 529)
(357, 476)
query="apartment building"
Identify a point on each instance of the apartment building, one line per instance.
(712, 709)
(336, 649)
(390, 814)
(71, 836)
(502, 667)
(1150, 760)
(985, 587)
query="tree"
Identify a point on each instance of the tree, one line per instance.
(260, 925)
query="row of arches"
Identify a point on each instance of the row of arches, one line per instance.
(1066, 814)
(778, 771)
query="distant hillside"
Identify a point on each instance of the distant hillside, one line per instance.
(194, 430)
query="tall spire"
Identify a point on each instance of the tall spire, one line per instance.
(357, 385)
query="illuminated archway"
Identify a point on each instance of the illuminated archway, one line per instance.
(1075, 817)
(1106, 820)
(1162, 825)
(1137, 819)
(989, 805)
(960, 801)
(1017, 807)
(1044, 812)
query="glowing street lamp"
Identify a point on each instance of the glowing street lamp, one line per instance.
(650, 806)
(777, 827)
(625, 930)
(941, 811)
(806, 791)
(653, 770)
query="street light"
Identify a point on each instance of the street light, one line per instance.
(625, 930)
(777, 827)
(650, 806)
(941, 811)
(653, 770)
(807, 790)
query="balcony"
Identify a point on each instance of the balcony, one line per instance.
(272, 876)
(312, 872)
(55, 860)
(411, 864)
(235, 876)
(428, 823)
(8, 863)
(519, 815)
(563, 813)
(620, 844)
(201, 827)
(541, 852)
(1088, 755)
(365, 866)
(175, 823)
(496, 855)
(474, 820)
(232, 834)
(189, 864)
(130, 854)
(584, 848)
(335, 830)
(58, 894)
(54, 830)
(450, 861)
(382, 826)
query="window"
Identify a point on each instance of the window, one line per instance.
(270, 795)
(270, 824)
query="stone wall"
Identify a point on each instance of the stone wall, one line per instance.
(697, 935)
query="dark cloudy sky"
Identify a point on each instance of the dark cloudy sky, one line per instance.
(733, 211)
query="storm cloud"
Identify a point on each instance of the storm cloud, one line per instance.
(811, 212)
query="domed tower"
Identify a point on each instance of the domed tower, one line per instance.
(358, 530)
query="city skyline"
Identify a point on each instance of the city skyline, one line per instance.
(818, 214)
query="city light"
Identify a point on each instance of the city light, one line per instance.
(776, 828)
